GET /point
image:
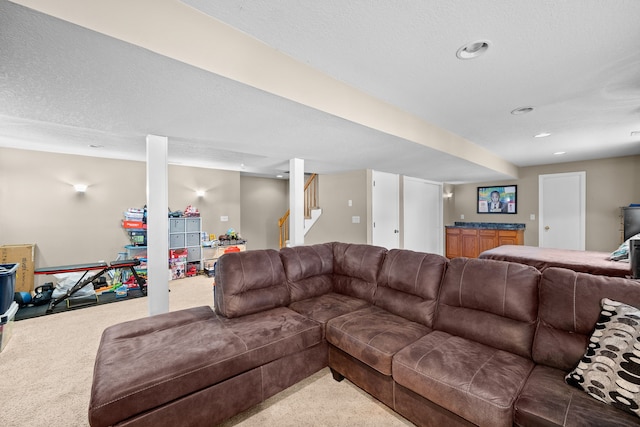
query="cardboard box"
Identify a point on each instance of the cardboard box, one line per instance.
(177, 269)
(25, 256)
(6, 324)
(178, 254)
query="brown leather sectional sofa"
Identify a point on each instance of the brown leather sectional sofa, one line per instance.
(442, 342)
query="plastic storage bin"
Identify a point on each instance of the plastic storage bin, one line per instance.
(634, 257)
(7, 285)
(6, 324)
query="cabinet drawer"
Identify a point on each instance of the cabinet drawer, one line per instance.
(193, 224)
(176, 241)
(491, 233)
(193, 254)
(511, 237)
(193, 239)
(176, 225)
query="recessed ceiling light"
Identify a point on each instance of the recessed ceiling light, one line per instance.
(522, 110)
(559, 153)
(473, 49)
(96, 146)
(542, 135)
(279, 176)
(635, 133)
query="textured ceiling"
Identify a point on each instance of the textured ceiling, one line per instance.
(64, 87)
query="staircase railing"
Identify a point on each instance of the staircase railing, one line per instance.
(310, 202)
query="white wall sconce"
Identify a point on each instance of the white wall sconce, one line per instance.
(80, 188)
(447, 195)
(200, 193)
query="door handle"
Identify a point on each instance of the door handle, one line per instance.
(396, 231)
(547, 228)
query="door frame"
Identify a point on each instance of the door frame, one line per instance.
(390, 204)
(582, 175)
(439, 210)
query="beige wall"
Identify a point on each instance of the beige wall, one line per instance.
(39, 205)
(263, 202)
(335, 223)
(222, 196)
(611, 183)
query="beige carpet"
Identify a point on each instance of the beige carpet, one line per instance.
(47, 365)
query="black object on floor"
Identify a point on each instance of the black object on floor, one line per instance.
(75, 303)
(102, 266)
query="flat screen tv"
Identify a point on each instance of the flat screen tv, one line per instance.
(497, 200)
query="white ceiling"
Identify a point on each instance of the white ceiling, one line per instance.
(64, 87)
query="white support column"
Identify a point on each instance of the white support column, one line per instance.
(157, 225)
(296, 202)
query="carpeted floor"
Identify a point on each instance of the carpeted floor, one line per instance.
(46, 372)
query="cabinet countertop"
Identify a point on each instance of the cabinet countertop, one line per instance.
(488, 225)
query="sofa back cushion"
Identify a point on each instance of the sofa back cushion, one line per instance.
(309, 270)
(249, 282)
(490, 302)
(569, 309)
(355, 269)
(408, 284)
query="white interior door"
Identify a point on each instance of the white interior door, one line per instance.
(385, 210)
(422, 225)
(562, 204)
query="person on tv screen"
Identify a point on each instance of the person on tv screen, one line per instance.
(495, 205)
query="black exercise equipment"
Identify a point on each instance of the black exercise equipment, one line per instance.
(102, 268)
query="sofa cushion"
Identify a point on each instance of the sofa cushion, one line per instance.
(491, 302)
(569, 310)
(355, 269)
(325, 307)
(408, 284)
(373, 335)
(546, 400)
(309, 270)
(610, 370)
(175, 354)
(250, 282)
(477, 382)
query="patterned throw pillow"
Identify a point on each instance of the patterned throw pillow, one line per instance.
(610, 368)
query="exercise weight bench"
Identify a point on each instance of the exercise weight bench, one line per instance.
(99, 267)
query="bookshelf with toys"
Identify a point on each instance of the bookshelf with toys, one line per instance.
(135, 224)
(185, 248)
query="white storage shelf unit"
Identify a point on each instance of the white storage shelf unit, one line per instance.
(185, 233)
